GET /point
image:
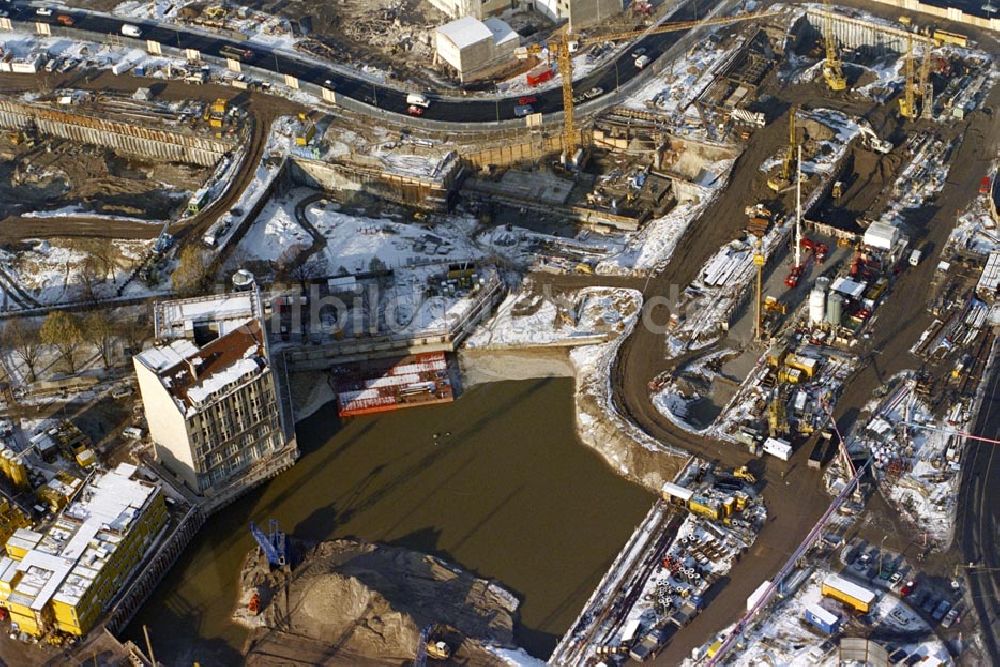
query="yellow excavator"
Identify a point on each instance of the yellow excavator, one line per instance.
(833, 69)
(783, 178)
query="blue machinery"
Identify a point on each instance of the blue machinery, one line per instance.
(274, 544)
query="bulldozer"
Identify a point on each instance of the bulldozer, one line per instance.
(745, 475)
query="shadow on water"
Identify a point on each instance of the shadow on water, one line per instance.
(496, 482)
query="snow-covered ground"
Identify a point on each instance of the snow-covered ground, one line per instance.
(255, 25)
(784, 638)
(918, 466)
(591, 315)
(59, 271)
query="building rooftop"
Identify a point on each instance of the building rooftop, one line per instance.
(502, 32)
(225, 312)
(192, 375)
(62, 562)
(466, 31)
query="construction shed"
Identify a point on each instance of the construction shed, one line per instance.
(475, 48)
(854, 595)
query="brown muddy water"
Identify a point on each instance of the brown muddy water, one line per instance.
(511, 494)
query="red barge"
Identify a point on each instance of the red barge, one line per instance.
(383, 385)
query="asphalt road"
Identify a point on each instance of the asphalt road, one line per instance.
(474, 110)
(978, 518)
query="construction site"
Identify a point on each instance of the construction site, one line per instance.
(767, 257)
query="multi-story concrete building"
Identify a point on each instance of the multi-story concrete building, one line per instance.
(65, 576)
(580, 13)
(478, 9)
(213, 411)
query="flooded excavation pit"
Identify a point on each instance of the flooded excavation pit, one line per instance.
(496, 482)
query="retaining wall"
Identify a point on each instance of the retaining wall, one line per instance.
(149, 143)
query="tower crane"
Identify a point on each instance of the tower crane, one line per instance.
(908, 102)
(926, 89)
(565, 61)
(833, 68)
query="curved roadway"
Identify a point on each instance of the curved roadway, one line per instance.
(471, 110)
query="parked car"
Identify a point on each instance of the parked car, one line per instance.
(638, 52)
(950, 618)
(522, 110)
(895, 578)
(121, 392)
(596, 91)
(527, 99)
(414, 110)
(43, 11)
(942, 608)
(907, 589)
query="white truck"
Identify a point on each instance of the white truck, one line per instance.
(418, 100)
(778, 448)
(130, 30)
(641, 61)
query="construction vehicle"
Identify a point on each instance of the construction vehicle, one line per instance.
(777, 423)
(438, 650)
(833, 68)
(745, 475)
(784, 177)
(566, 44)
(431, 647)
(274, 545)
(773, 305)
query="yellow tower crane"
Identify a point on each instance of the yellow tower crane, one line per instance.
(564, 59)
(926, 89)
(833, 69)
(908, 102)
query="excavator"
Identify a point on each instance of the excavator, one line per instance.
(833, 69)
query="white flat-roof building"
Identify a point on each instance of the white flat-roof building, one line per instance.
(474, 48)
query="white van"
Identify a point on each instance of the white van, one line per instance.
(418, 100)
(130, 30)
(915, 257)
(641, 61)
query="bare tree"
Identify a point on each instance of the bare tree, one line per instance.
(22, 336)
(99, 330)
(191, 273)
(62, 331)
(132, 329)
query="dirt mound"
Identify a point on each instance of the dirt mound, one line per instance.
(371, 602)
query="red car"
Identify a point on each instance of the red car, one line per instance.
(907, 588)
(415, 110)
(807, 243)
(529, 99)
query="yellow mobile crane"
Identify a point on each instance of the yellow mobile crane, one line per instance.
(561, 46)
(833, 69)
(783, 179)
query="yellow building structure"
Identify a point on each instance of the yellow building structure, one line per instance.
(63, 577)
